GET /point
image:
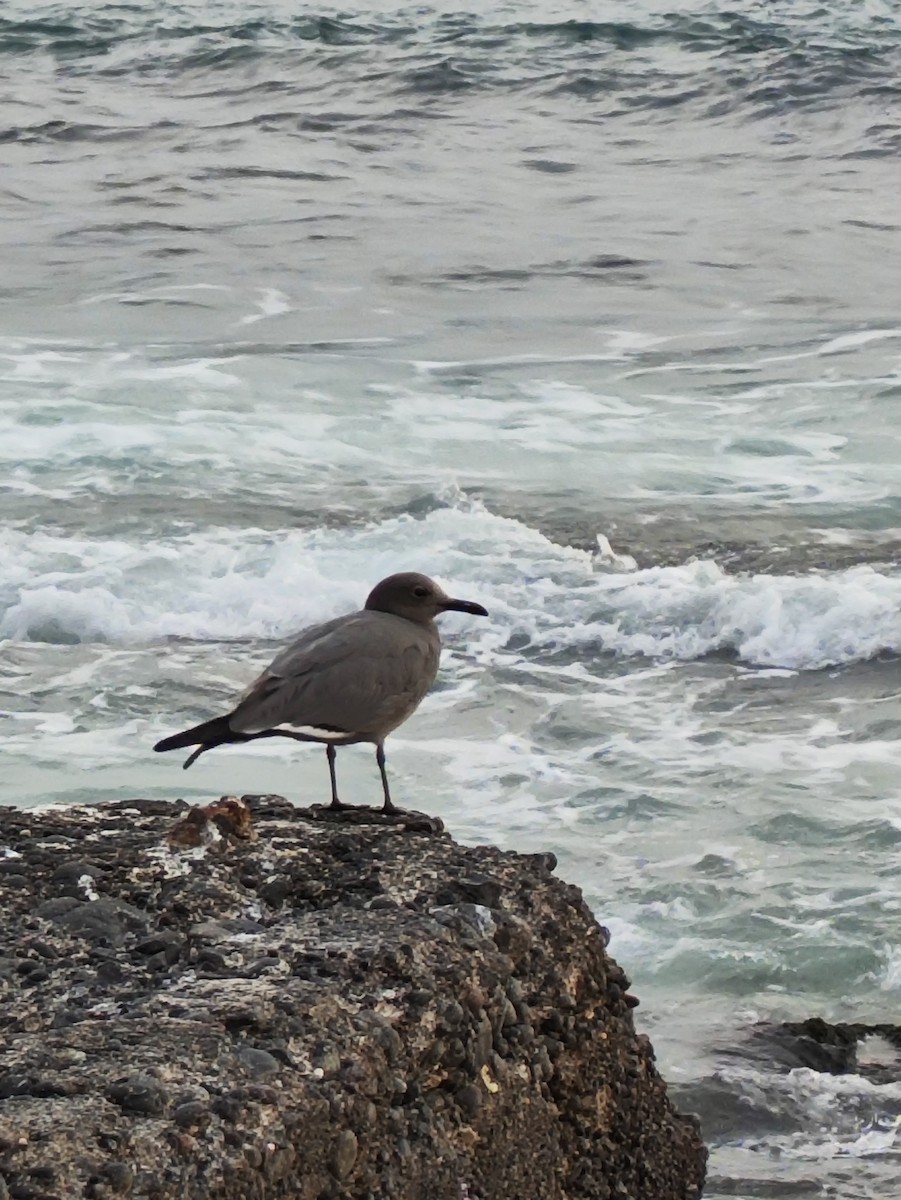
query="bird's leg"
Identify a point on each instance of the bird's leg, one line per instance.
(331, 755)
(389, 806)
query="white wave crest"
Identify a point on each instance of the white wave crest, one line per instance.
(224, 584)
(799, 622)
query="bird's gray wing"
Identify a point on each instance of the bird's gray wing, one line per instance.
(356, 676)
(318, 645)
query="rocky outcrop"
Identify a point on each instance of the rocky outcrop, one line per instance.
(872, 1051)
(309, 1009)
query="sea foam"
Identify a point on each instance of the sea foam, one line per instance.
(224, 584)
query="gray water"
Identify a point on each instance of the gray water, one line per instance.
(291, 299)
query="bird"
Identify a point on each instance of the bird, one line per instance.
(349, 680)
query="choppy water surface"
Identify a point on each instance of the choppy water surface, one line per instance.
(291, 300)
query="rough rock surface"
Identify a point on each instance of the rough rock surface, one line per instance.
(329, 1010)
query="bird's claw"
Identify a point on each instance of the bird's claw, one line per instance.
(357, 814)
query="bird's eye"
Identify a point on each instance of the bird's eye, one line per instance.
(420, 592)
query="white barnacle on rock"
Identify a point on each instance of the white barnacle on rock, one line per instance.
(105, 1008)
(489, 1083)
(486, 921)
(80, 812)
(385, 1007)
(185, 979)
(233, 960)
(176, 863)
(86, 883)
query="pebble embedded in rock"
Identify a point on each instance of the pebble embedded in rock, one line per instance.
(265, 966)
(484, 1040)
(275, 892)
(119, 1177)
(344, 1155)
(168, 943)
(102, 920)
(327, 1059)
(74, 871)
(191, 1115)
(469, 1097)
(228, 1108)
(481, 889)
(259, 1063)
(141, 1094)
(55, 907)
(210, 931)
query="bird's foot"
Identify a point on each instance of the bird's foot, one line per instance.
(357, 814)
(337, 809)
(408, 818)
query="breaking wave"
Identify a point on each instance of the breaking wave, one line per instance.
(544, 598)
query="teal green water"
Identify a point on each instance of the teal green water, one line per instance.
(290, 301)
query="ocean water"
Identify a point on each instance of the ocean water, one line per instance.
(592, 312)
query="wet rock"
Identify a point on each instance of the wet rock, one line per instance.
(100, 920)
(210, 931)
(274, 892)
(476, 889)
(469, 1098)
(229, 1108)
(344, 1155)
(335, 1009)
(193, 1114)
(168, 945)
(258, 1063)
(327, 1059)
(118, 1177)
(140, 1094)
(512, 936)
(870, 1050)
(544, 863)
(16, 880)
(56, 907)
(75, 871)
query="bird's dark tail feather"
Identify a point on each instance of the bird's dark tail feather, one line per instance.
(205, 737)
(217, 732)
(192, 758)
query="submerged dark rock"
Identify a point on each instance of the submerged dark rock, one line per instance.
(326, 1011)
(872, 1051)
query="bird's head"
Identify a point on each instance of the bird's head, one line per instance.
(417, 598)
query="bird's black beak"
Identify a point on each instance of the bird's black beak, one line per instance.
(467, 606)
